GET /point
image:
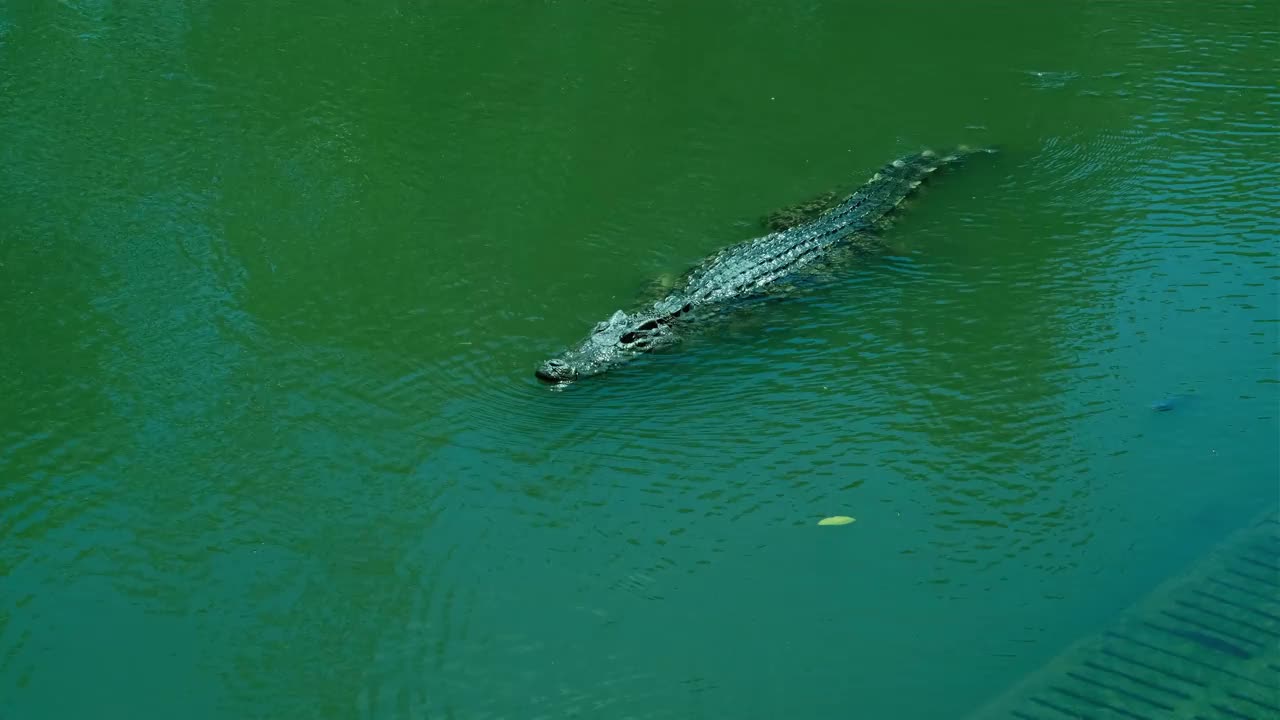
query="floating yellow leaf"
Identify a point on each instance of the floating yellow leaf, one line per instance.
(836, 520)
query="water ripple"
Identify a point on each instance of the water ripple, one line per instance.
(277, 279)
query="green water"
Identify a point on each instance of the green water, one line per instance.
(274, 278)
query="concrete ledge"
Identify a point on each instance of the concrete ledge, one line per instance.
(1205, 645)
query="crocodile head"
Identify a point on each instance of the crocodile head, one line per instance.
(610, 344)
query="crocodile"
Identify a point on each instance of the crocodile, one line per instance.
(750, 268)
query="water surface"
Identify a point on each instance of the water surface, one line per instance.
(274, 279)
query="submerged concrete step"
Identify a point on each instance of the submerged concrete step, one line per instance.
(1205, 645)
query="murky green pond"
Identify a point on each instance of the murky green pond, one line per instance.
(274, 278)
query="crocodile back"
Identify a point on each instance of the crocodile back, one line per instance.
(749, 266)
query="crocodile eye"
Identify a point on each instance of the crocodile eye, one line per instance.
(651, 325)
(628, 338)
(599, 328)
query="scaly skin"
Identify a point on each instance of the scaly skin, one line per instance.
(746, 270)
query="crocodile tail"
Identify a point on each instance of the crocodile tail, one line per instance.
(920, 165)
(963, 152)
(897, 180)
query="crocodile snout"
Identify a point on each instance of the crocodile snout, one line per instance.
(555, 371)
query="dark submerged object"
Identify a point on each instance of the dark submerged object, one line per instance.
(1170, 403)
(799, 237)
